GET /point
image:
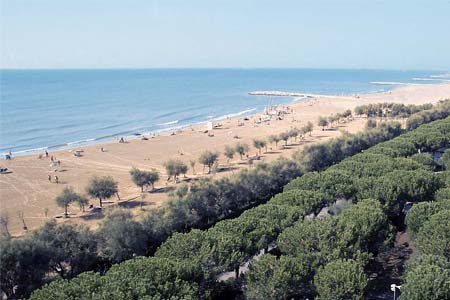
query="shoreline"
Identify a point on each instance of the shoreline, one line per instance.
(27, 188)
(296, 97)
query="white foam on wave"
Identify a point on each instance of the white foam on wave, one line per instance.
(234, 114)
(446, 75)
(430, 79)
(81, 142)
(168, 123)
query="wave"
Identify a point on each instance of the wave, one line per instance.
(430, 79)
(446, 75)
(168, 123)
(81, 142)
(180, 111)
(233, 115)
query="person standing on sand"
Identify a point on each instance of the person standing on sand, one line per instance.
(56, 178)
(46, 153)
(49, 177)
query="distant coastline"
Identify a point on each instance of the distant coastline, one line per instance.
(59, 109)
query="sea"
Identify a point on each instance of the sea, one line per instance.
(57, 109)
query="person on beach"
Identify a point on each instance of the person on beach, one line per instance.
(49, 177)
(46, 153)
(59, 163)
(101, 149)
(56, 178)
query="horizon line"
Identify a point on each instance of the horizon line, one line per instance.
(213, 68)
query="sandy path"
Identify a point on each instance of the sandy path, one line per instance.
(28, 189)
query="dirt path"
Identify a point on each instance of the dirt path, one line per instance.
(388, 268)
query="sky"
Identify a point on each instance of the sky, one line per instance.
(385, 34)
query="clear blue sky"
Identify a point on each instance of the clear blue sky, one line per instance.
(389, 34)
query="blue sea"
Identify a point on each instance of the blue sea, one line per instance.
(55, 109)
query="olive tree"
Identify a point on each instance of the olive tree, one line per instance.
(175, 167)
(120, 237)
(229, 153)
(208, 158)
(274, 138)
(102, 188)
(144, 178)
(67, 197)
(259, 144)
(241, 149)
(322, 122)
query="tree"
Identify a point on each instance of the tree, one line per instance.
(371, 123)
(4, 223)
(274, 138)
(102, 188)
(144, 178)
(82, 202)
(285, 137)
(139, 278)
(120, 237)
(73, 248)
(174, 168)
(347, 113)
(426, 159)
(309, 127)
(259, 144)
(434, 236)
(229, 153)
(21, 216)
(192, 163)
(443, 195)
(67, 197)
(23, 266)
(241, 148)
(138, 177)
(359, 110)
(208, 158)
(340, 280)
(322, 122)
(276, 279)
(294, 133)
(332, 119)
(427, 280)
(419, 214)
(445, 159)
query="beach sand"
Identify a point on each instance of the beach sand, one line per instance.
(27, 188)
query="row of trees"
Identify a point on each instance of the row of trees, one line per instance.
(230, 242)
(334, 119)
(428, 224)
(390, 109)
(101, 188)
(325, 258)
(200, 206)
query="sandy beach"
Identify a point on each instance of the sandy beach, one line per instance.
(28, 189)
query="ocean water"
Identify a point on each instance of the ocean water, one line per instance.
(54, 109)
